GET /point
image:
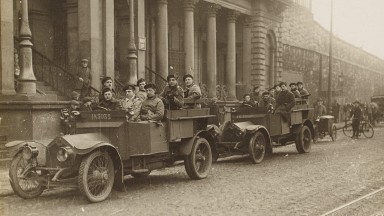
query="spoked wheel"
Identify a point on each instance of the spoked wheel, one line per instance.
(367, 130)
(23, 178)
(303, 140)
(198, 163)
(257, 146)
(334, 133)
(348, 130)
(96, 176)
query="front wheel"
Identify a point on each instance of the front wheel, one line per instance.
(198, 163)
(23, 178)
(96, 176)
(367, 130)
(257, 146)
(348, 130)
(303, 140)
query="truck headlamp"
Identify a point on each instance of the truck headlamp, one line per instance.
(29, 152)
(63, 154)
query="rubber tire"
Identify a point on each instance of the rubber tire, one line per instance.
(348, 131)
(303, 140)
(369, 128)
(83, 175)
(141, 175)
(334, 133)
(189, 161)
(256, 159)
(15, 181)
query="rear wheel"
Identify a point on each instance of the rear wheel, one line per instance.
(24, 183)
(303, 140)
(96, 176)
(257, 146)
(367, 130)
(347, 130)
(334, 133)
(198, 163)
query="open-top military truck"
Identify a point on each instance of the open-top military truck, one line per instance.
(255, 131)
(105, 148)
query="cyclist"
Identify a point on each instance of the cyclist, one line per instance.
(357, 116)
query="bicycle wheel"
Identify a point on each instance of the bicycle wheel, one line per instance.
(347, 130)
(367, 130)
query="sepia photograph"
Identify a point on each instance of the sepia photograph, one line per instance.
(191, 107)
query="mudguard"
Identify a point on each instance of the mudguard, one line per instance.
(186, 144)
(252, 129)
(14, 147)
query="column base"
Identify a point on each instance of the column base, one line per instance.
(7, 92)
(27, 87)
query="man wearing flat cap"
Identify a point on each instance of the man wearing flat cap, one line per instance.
(285, 101)
(320, 109)
(357, 116)
(107, 82)
(303, 92)
(294, 90)
(172, 94)
(192, 91)
(83, 79)
(108, 102)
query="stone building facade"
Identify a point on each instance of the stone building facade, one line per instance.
(357, 74)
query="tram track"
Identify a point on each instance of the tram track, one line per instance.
(361, 198)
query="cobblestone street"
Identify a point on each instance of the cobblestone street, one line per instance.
(287, 183)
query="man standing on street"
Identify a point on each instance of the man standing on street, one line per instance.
(320, 109)
(357, 116)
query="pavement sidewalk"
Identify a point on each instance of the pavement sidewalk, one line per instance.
(5, 186)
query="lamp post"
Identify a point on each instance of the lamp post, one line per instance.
(27, 79)
(330, 62)
(132, 57)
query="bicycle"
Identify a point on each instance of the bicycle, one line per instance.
(365, 128)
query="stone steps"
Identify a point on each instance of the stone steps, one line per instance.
(49, 91)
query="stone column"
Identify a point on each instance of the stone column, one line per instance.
(141, 29)
(6, 48)
(189, 41)
(109, 38)
(72, 35)
(162, 38)
(211, 50)
(27, 79)
(132, 57)
(230, 76)
(247, 52)
(91, 37)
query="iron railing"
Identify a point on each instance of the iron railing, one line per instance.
(153, 77)
(54, 75)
